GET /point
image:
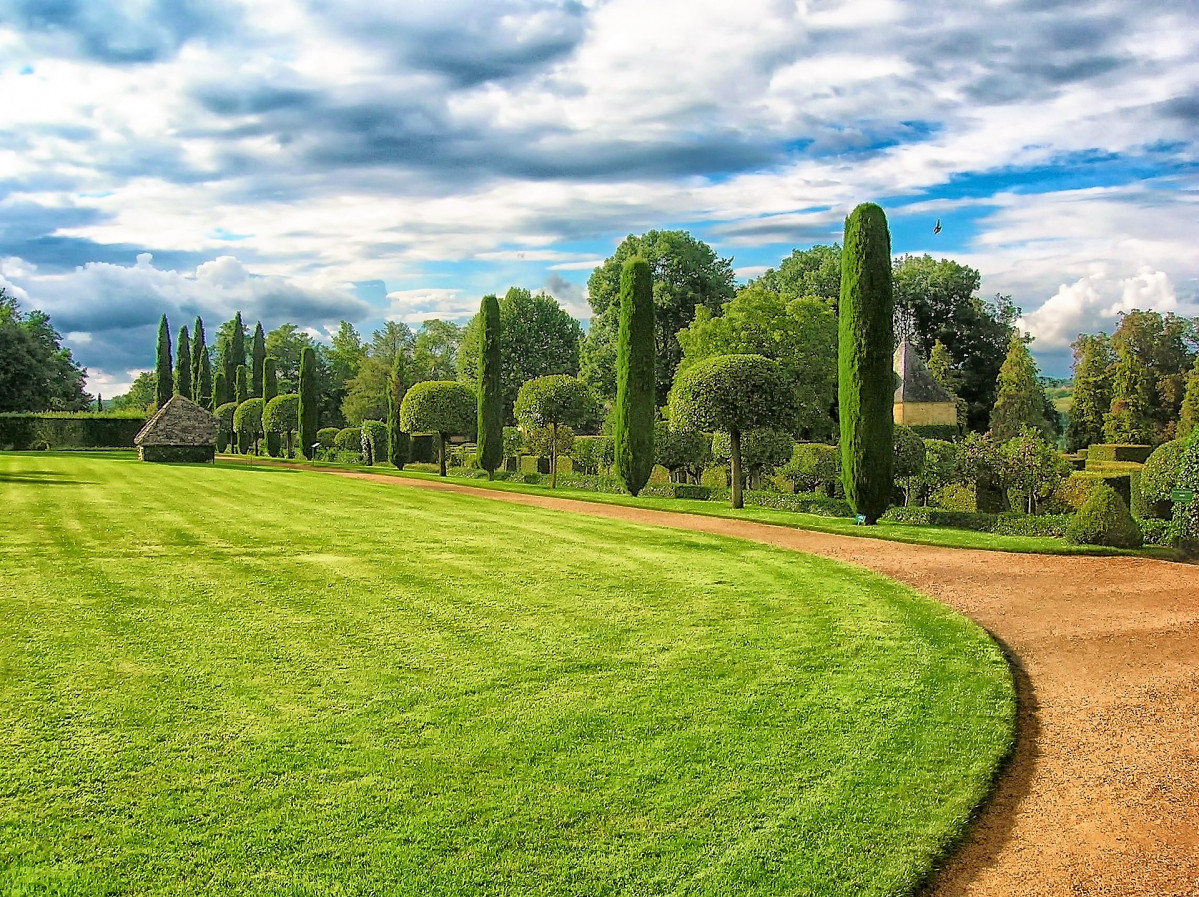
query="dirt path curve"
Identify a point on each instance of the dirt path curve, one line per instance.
(1102, 796)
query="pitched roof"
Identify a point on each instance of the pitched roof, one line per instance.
(179, 422)
(916, 383)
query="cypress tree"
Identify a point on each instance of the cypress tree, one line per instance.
(99, 403)
(257, 359)
(242, 388)
(491, 390)
(201, 368)
(183, 365)
(1092, 391)
(220, 392)
(164, 381)
(1189, 418)
(1019, 398)
(309, 402)
(633, 435)
(397, 440)
(270, 389)
(866, 387)
(237, 343)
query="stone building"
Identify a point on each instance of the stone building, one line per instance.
(179, 431)
(920, 401)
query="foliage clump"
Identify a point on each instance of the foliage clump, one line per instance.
(813, 467)
(348, 439)
(683, 452)
(247, 423)
(1158, 477)
(763, 451)
(1104, 520)
(281, 418)
(224, 424)
(444, 407)
(633, 433)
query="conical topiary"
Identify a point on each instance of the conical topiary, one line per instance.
(1104, 520)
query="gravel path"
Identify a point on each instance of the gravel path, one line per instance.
(1102, 796)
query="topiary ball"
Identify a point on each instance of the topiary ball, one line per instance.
(1104, 520)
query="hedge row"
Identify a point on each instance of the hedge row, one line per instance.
(1005, 524)
(1118, 452)
(22, 432)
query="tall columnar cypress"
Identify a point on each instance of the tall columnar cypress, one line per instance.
(220, 391)
(633, 435)
(257, 359)
(309, 402)
(398, 443)
(866, 386)
(164, 386)
(232, 351)
(491, 389)
(183, 365)
(237, 341)
(242, 387)
(270, 389)
(201, 368)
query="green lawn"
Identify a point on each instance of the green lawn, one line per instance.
(226, 681)
(910, 533)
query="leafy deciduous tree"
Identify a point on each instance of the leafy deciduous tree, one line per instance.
(444, 407)
(1093, 361)
(1019, 400)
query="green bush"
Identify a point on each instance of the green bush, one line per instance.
(813, 467)
(942, 432)
(820, 505)
(1013, 524)
(1158, 477)
(1104, 520)
(762, 451)
(326, 436)
(177, 454)
(224, 425)
(681, 449)
(374, 442)
(1118, 452)
(281, 418)
(592, 454)
(678, 490)
(21, 431)
(1157, 532)
(1186, 517)
(977, 521)
(349, 439)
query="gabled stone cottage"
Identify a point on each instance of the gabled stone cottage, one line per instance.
(179, 431)
(920, 401)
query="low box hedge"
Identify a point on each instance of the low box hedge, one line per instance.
(55, 430)
(1118, 452)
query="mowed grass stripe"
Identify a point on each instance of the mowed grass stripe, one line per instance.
(273, 682)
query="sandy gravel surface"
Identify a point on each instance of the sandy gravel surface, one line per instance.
(1102, 796)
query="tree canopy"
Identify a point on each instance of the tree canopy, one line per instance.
(686, 273)
(36, 372)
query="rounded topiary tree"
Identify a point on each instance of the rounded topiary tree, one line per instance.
(348, 439)
(633, 430)
(813, 467)
(681, 451)
(1158, 477)
(1104, 520)
(763, 451)
(551, 402)
(865, 384)
(907, 458)
(374, 442)
(310, 399)
(444, 407)
(281, 419)
(490, 451)
(247, 424)
(224, 425)
(733, 394)
(325, 436)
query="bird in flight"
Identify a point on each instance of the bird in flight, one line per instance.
(937, 227)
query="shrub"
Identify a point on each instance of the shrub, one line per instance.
(1158, 477)
(326, 436)
(224, 425)
(1118, 452)
(865, 383)
(762, 452)
(1032, 466)
(540, 441)
(976, 521)
(820, 505)
(1186, 517)
(677, 490)
(374, 442)
(349, 439)
(813, 467)
(907, 459)
(681, 450)
(940, 467)
(1157, 532)
(592, 454)
(1104, 520)
(940, 432)
(1014, 524)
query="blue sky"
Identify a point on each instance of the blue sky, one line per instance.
(311, 161)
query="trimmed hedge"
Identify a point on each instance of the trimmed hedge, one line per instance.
(1157, 479)
(802, 504)
(327, 436)
(374, 442)
(1118, 452)
(177, 454)
(943, 432)
(1157, 532)
(1104, 520)
(678, 490)
(978, 521)
(349, 439)
(22, 432)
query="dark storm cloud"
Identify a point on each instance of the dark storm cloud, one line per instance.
(115, 32)
(467, 43)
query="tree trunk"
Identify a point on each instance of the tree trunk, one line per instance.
(441, 452)
(554, 458)
(735, 442)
